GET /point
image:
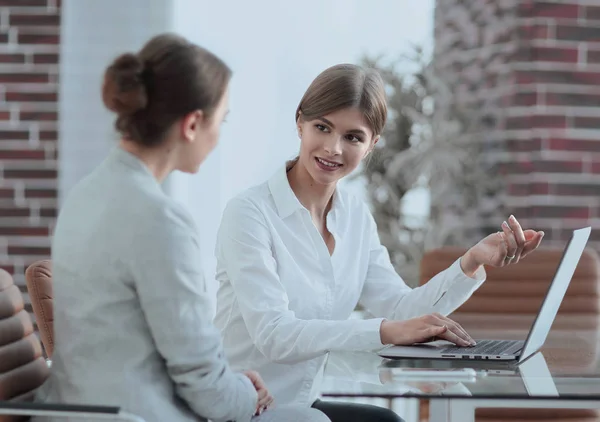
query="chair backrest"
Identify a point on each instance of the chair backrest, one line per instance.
(39, 285)
(22, 367)
(520, 288)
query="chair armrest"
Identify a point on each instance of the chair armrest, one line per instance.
(66, 410)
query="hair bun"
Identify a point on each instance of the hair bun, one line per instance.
(124, 90)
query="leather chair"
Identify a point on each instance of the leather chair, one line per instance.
(23, 368)
(518, 290)
(38, 277)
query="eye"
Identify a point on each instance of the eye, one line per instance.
(322, 128)
(353, 138)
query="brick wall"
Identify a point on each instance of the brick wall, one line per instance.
(29, 49)
(535, 67)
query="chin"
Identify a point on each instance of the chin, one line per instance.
(323, 178)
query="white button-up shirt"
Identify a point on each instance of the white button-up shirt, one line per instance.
(284, 302)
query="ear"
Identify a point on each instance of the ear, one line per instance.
(373, 143)
(190, 125)
(299, 124)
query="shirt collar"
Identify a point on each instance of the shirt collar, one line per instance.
(283, 195)
(285, 199)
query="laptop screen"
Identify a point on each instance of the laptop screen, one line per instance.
(556, 292)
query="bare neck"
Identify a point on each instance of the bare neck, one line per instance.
(316, 198)
(159, 160)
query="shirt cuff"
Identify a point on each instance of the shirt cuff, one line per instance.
(459, 278)
(369, 336)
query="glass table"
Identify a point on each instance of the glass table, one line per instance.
(564, 374)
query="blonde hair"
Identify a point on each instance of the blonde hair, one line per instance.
(346, 86)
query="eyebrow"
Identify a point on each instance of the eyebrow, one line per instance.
(328, 122)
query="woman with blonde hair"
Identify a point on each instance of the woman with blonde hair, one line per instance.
(296, 254)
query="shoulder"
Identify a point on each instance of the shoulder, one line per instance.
(254, 202)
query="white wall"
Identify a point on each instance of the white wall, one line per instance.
(93, 33)
(276, 48)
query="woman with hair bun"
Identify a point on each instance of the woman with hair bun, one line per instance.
(131, 318)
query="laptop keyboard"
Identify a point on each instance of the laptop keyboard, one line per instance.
(483, 347)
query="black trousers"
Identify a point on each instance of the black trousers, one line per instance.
(355, 412)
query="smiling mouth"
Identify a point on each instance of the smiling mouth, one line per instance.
(327, 165)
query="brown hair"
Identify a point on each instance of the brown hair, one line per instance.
(169, 78)
(344, 86)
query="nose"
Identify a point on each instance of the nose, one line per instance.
(333, 145)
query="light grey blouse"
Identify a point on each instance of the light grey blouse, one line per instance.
(132, 317)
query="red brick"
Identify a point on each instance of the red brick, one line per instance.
(38, 115)
(517, 167)
(577, 189)
(586, 145)
(19, 3)
(31, 96)
(592, 12)
(48, 135)
(556, 166)
(48, 212)
(4, 115)
(533, 32)
(24, 231)
(28, 250)
(548, 54)
(568, 99)
(577, 33)
(30, 174)
(44, 58)
(537, 121)
(8, 78)
(41, 193)
(38, 39)
(34, 20)
(14, 212)
(596, 167)
(593, 56)
(6, 193)
(12, 58)
(3, 37)
(22, 155)
(554, 10)
(525, 99)
(13, 135)
(527, 189)
(560, 77)
(555, 211)
(586, 122)
(524, 145)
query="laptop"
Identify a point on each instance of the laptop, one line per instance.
(508, 350)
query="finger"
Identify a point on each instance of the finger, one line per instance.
(434, 331)
(454, 338)
(519, 236)
(511, 243)
(533, 244)
(269, 402)
(262, 394)
(457, 329)
(264, 403)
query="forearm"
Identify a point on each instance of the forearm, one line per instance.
(289, 340)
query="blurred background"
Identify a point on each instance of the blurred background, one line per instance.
(494, 109)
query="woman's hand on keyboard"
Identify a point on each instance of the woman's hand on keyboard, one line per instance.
(423, 329)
